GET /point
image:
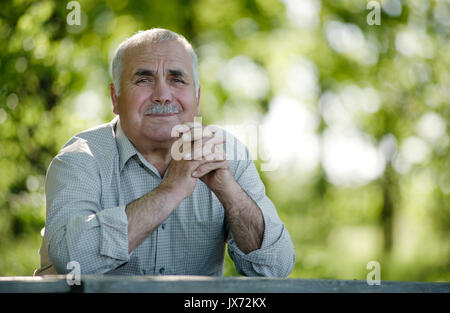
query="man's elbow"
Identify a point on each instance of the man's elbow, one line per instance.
(58, 256)
(289, 266)
(65, 262)
(280, 267)
(82, 259)
(285, 260)
(285, 264)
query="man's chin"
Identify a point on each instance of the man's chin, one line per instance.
(161, 134)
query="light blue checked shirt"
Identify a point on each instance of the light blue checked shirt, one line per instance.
(98, 172)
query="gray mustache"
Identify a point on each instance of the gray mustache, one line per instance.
(162, 109)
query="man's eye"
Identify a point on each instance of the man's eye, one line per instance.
(177, 80)
(143, 80)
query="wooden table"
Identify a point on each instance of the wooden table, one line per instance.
(201, 284)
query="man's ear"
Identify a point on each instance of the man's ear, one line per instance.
(114, 100)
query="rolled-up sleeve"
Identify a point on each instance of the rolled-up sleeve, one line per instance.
(276, 256)
(77, 227)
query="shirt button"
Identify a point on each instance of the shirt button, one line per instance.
(161, 270)
(163, 225)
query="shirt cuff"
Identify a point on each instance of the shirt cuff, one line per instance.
(114, 233)
(275, 257)
(264, 255)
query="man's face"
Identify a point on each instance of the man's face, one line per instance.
(155, 74)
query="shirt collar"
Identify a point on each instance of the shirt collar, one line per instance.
(125, 147)
(127, 150)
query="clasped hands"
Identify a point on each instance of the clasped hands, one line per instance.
(197, 153)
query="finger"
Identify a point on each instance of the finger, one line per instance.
(187, 156)
(214, 140)
(206, 146)
(176, 150)
(198, 148)
(207, 168)
(209, 144)
(194, 149)
(220, 153)
(212, 150)
(210, 130)
(179, 129)
(195, 131)
(217, 155)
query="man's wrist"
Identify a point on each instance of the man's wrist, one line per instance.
(171, 193)
(227, 190)
(223, 182)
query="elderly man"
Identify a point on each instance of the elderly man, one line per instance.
(118, 202)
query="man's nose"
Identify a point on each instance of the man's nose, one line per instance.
(161, 93)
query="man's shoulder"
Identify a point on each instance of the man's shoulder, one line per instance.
(100, 133)
(91, 142)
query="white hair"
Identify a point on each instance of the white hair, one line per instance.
(151, 35)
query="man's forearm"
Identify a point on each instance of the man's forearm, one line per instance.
(244, 217)
(148, 212)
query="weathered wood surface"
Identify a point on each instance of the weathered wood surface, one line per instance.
(200, 284)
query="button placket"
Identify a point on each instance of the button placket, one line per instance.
(162, 251)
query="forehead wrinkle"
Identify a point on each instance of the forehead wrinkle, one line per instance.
(169, 72)
(149, 56)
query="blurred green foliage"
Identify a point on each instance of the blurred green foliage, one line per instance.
(54, 82)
